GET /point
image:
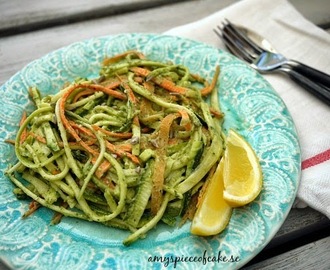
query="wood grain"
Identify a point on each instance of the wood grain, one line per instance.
(314, 255)
(17, 16)
(17, 51)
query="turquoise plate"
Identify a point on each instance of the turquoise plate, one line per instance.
(251, 107)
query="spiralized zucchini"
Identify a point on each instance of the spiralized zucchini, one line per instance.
(127, 149)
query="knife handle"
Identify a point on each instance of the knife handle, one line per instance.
(313, 74)
(319, 91)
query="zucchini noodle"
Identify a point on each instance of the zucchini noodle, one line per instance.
(128, 149)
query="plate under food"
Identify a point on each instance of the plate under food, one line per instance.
(251, 106)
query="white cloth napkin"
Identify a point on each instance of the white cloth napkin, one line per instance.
(296, 38)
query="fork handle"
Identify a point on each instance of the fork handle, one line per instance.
(313, 74)
(322, 92)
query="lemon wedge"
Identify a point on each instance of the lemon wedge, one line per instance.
(213, 212)
(241, 173)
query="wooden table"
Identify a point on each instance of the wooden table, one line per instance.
(33, 28)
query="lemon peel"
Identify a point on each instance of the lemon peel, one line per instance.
(242, 172)
(213, 212)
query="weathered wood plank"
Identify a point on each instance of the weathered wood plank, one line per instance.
(3, 266)
(301, 218)
(17, 51)
(35, 14)
(311, 256)
(17, 17)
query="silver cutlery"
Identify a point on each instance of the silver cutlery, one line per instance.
(244, 44)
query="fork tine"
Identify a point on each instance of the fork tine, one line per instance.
(233, 44)
(230, 46)
(242, 37)
(236, 40)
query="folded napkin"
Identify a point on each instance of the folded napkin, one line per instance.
(296, 38)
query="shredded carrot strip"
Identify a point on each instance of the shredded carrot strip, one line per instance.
(55, 171)
(164, 130)
(216, 113)
(208, 89)
(108, 182)
(118, 57)
(124, 147)
(170, 86)
(37, 137)
(82, 94)
(123, 135)
(102, 168)
(23, 118)
(173, 141)
(163, 82)
(136, 121)
(82, 129)
(140, 71)
(33, 206)
(160, 163)
(138, 79)
(24, 133)
(185, 121)
(149, 86)
(10, 141)
(108, 90)
(129, 91)
(57, 217)
(121, 153)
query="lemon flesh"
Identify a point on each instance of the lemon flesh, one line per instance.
(213, 212)
(242, 172)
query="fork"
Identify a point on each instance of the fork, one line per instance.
(265, 61)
